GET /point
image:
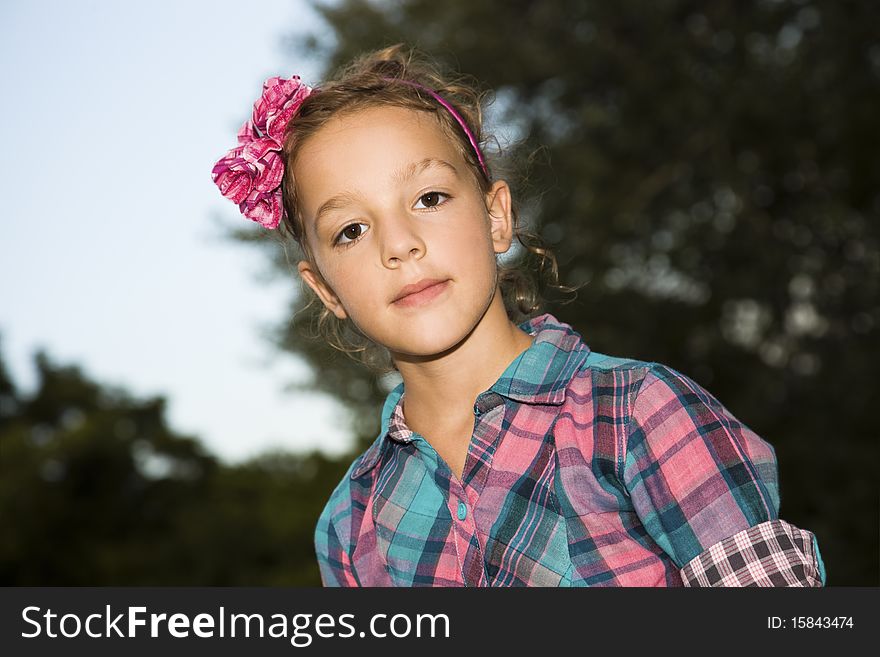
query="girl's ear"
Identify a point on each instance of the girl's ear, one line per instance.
(314, 280)
(499, 205)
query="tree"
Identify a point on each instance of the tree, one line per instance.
(97, 490)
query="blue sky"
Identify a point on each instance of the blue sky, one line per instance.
(110, 256)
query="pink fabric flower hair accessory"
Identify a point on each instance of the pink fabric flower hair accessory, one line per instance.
(250, 174)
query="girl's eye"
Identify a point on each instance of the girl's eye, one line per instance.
(350, 233)
(432, 199)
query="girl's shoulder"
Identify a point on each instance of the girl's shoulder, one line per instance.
(561, 352)
(631, 390)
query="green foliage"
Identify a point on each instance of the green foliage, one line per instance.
(95, 490)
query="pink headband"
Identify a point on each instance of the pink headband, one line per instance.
(250, 174)
(455, 115)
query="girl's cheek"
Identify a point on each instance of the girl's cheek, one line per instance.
(347, 275)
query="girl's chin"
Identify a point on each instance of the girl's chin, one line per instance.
(421, 349)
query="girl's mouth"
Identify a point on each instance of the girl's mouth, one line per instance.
(423, 294)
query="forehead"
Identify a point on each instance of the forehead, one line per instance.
(360, 150)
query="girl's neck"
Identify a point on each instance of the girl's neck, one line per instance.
(443, 389)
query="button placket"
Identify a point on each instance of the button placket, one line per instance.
(465, 531)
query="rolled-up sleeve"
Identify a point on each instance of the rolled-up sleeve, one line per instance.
(774, 553)
(705, 487)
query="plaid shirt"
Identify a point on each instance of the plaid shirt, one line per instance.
(583, 470)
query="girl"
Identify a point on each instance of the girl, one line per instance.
(511, 454)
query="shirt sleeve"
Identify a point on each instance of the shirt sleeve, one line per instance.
(705, 487)
(332, 544)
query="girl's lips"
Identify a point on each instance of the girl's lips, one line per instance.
(422, 297)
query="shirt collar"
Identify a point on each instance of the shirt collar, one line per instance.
(539, 375)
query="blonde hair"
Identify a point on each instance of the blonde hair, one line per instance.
(370, 81)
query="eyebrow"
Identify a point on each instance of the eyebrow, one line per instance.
(406, 173)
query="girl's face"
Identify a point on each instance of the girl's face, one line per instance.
(388, 204)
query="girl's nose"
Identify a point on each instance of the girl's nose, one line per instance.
(400, 241)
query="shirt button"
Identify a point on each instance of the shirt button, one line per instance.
(462, 511)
